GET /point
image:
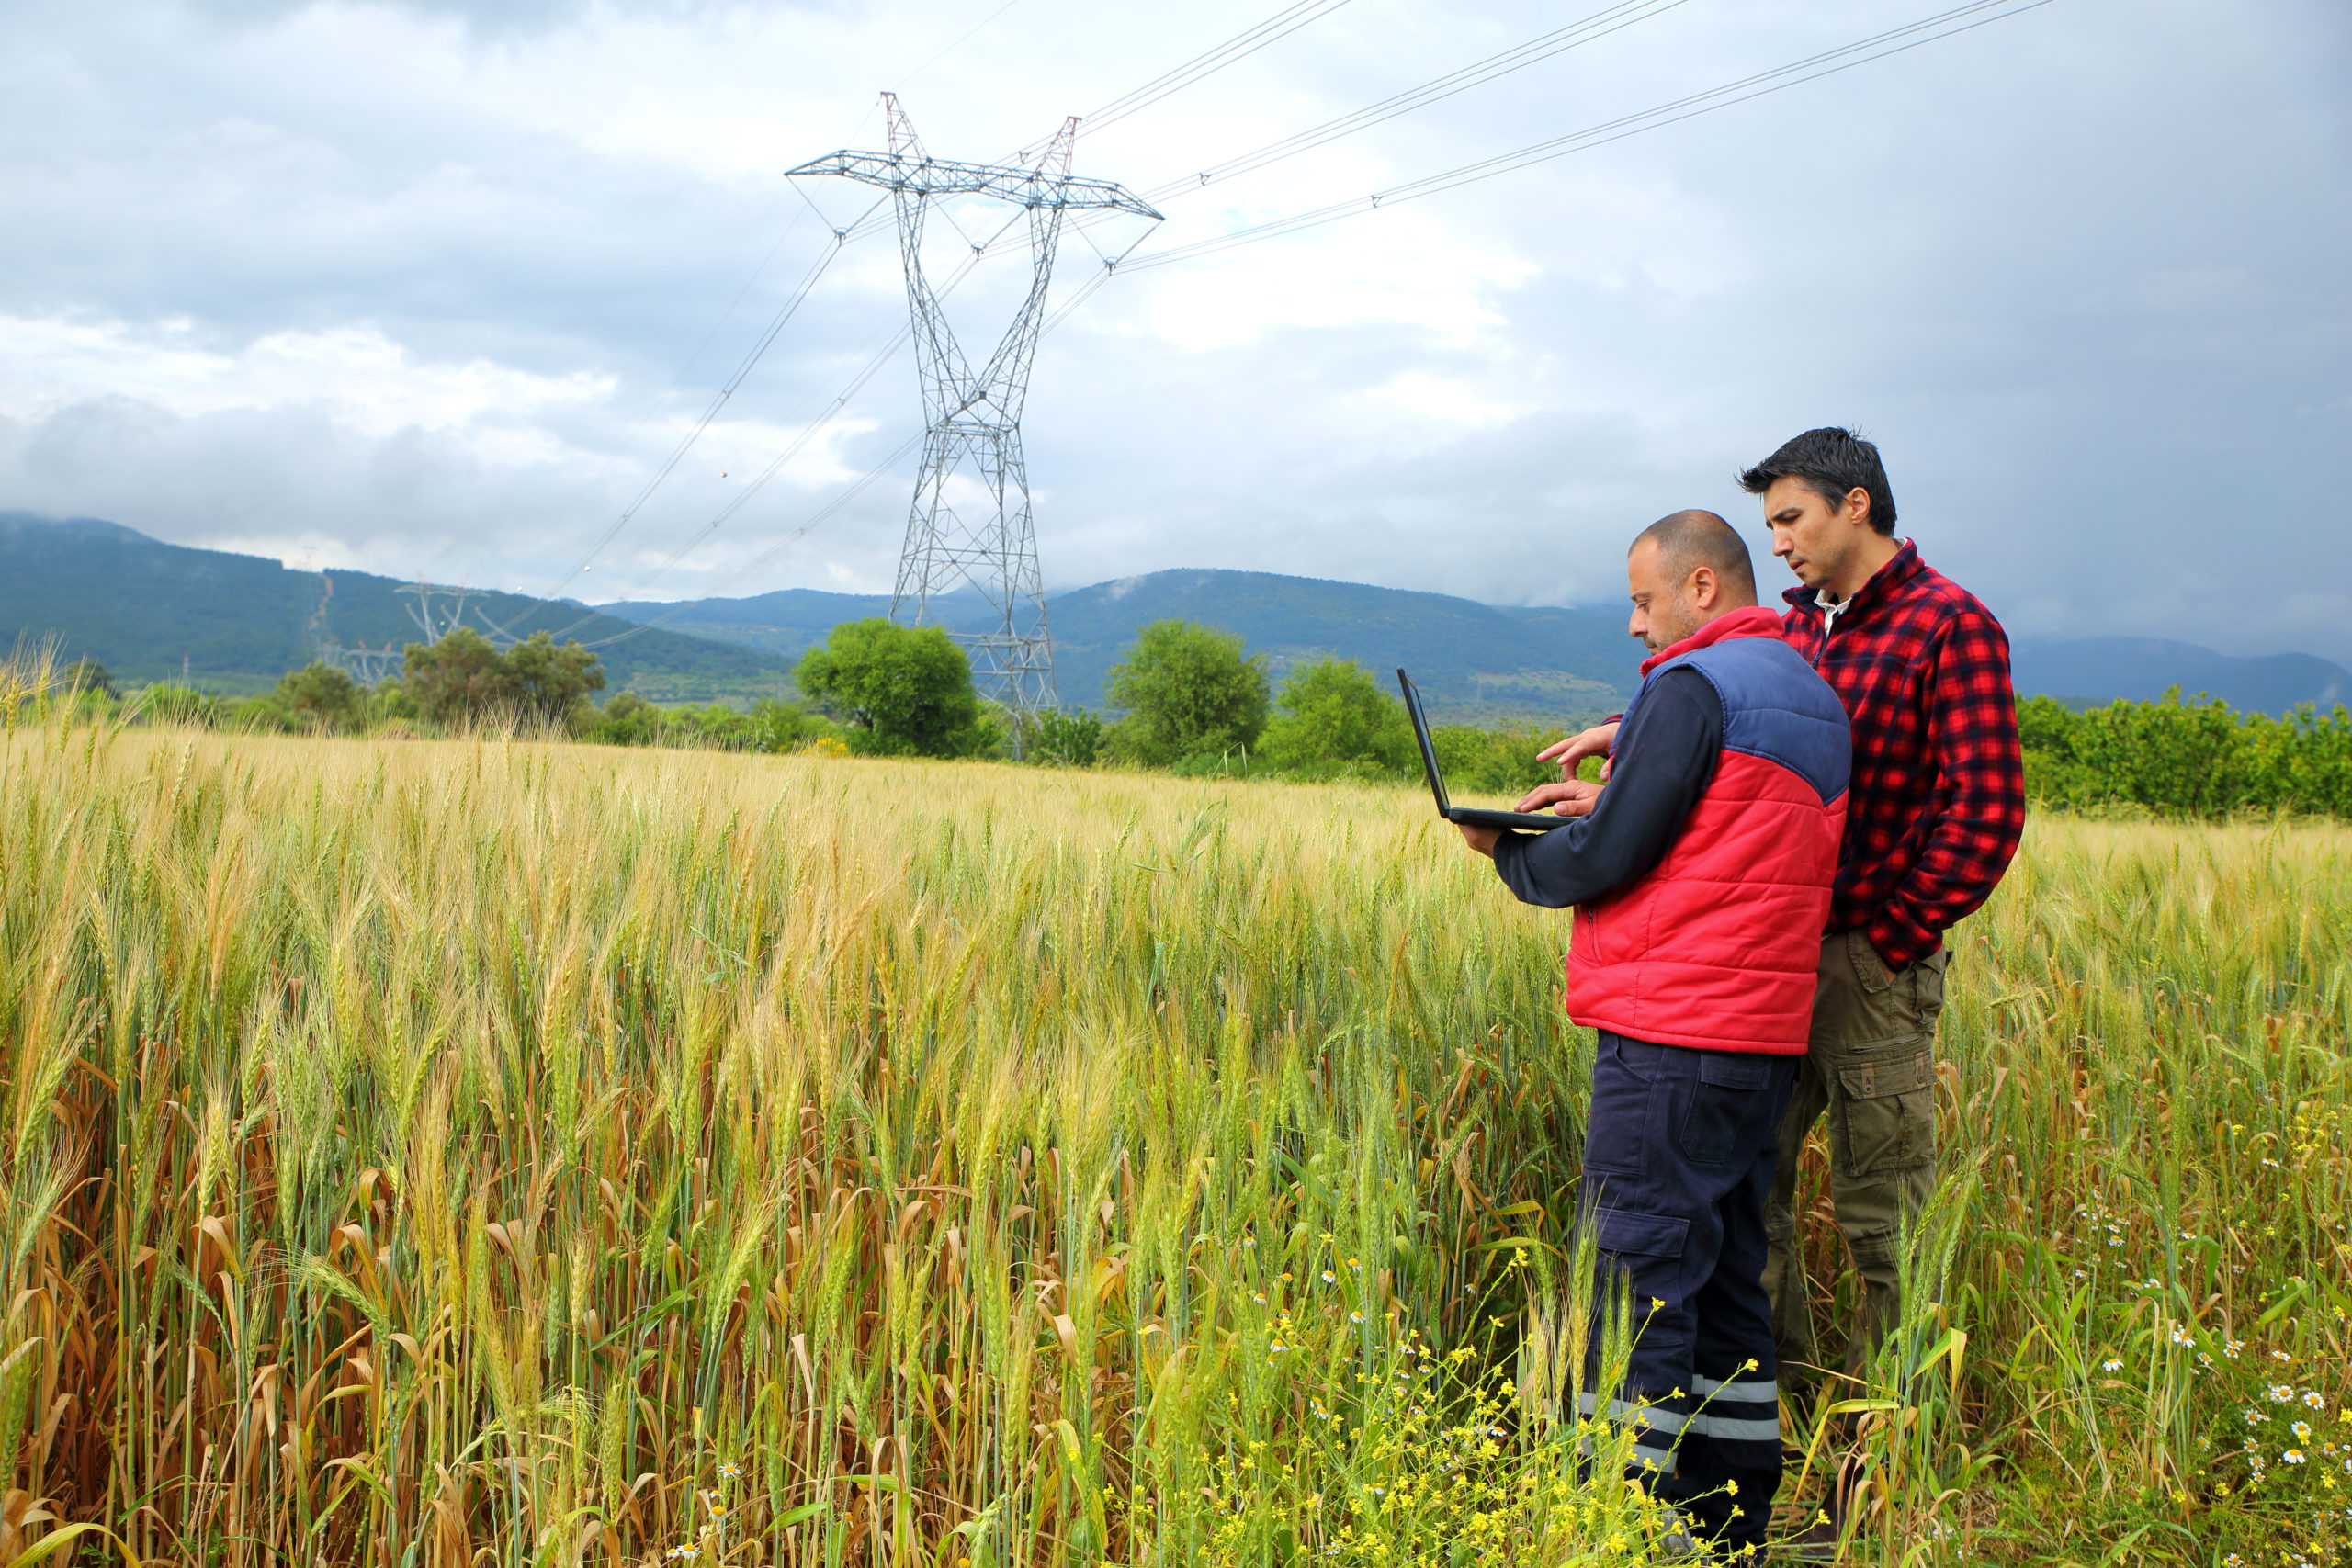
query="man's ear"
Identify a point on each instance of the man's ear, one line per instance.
(1857, 506)
(1704, 587)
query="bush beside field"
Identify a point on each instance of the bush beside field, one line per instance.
(444, 1151)
(1197, 705)
(2188, 758)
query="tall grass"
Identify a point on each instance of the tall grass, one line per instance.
(439, 1152)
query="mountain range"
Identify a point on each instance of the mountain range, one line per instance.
(151, 611)
(1474, 662)
(2100, 670)
(148, 611)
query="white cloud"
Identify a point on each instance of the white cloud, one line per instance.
(366, 382)
(437, 285)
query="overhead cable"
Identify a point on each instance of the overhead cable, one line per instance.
(833, 410)
(678, 454)
(1600, 24)
(1242, 45)
(822, 514)
(1248, 41)
(1896, 40)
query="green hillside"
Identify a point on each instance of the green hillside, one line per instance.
(1482, 663)
(786, 622)
(147, 611)
(1475, 661)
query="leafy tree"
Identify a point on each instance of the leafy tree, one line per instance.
(1070, 737)
(1335, 719)
(388, 702)
(322, 697)
(2188, 758)
(1189, 692)
(552, 683)
(88, 677)
(264, 715)
(902, 690)
(626, 719)
(461, 678)
(171, 703)
(458, 679)
(786, 727)
(1498, 761)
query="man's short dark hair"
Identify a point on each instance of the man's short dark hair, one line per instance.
(1687, 540)
(1831, 462)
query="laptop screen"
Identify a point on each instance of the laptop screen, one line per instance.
(1421, 734)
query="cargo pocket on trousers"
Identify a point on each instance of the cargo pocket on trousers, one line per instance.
(1643, 1236)
(1722, 1104)
(1870, 970)
(1887, 1122)
(1927, 989)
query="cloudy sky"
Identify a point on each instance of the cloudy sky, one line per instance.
(435, 288)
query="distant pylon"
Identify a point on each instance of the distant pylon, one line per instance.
(437, 620)
(970, 524)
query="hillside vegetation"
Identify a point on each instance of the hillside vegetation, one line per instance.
(148, 611)
(1479, 663)
(435, 1151)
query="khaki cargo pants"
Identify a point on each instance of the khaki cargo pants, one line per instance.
(1871, 1064)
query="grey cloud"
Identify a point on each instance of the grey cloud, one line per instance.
(2082, 280)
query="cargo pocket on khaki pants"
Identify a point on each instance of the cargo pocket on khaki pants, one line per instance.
(1885, 1113)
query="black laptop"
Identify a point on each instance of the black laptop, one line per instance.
(1477, 815)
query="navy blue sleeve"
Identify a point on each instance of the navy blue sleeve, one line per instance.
(1662, 763)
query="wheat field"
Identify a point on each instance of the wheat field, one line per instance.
(492, 1151)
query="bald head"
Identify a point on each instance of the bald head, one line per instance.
(1684, 570)
(1688, 540)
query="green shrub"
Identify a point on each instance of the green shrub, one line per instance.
(2194, 758)
(626, 719)
(1191, 694)
(903, 691)
(169, 703)
(1493, 761)
(323, 698)
(1069, 737)
(463, 680)
(1337, 721)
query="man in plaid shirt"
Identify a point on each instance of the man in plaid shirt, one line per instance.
(1935, 809)
(1934, 812)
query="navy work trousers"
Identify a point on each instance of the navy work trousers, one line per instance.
(1677, 1165)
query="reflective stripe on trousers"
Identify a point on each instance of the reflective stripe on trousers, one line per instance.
(1731, 1412)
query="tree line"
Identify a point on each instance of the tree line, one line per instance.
(1190, 700)
(1187, 698)
(2199, 758)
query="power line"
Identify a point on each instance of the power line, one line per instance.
(1880, 46)
(831, 410)
(822, 514)
(1243, 44)
(759, 482)
(678, 454)
(1206, 63)
(1896, 40)
(1600, 24)
(960, 41)
(840, 236)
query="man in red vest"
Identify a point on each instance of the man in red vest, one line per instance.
(1938, 809)
(1700, 879)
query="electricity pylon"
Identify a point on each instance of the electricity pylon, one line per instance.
(970, 524)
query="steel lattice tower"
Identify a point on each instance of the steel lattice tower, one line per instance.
(977, 532)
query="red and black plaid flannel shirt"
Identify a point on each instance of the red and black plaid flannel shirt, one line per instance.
(1936, 801)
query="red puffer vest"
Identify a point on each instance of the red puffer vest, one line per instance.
(1719, 945)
